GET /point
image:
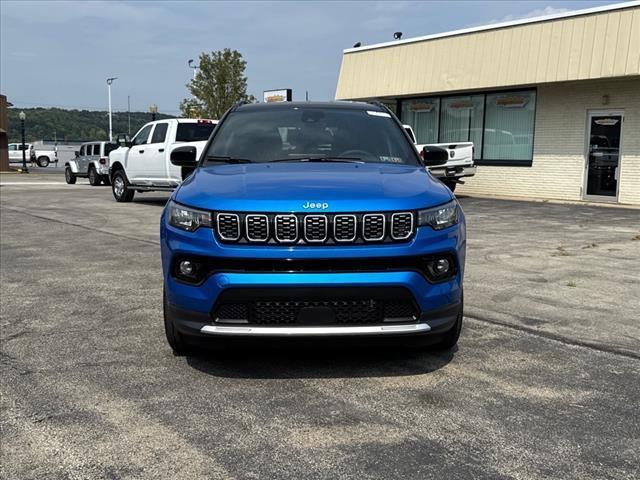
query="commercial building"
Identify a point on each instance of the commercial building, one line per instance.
(552, 104)
(4, 127)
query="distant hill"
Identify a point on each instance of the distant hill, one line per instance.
(86, 125)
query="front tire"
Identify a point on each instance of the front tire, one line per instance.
(174, 339)
(94, 178)
(119, 184)
(43, 162)
(69, 176)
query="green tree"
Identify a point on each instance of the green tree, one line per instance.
(219, 83)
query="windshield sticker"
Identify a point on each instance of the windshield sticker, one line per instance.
(378, 114)
(391, 159)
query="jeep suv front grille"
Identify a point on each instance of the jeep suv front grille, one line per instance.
(228, 226)
(325, 306)
(286, 228)
(315, 229)
(373, 227)
(401, 225)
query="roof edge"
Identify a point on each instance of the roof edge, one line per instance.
(495, 26)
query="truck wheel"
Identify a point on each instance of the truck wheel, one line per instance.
(43, 161)
(450, 338)
(69, 176)
(94, 178)
(174, 339)
(119, 188)
(450, 184)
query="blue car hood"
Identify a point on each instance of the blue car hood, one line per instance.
(300, 187)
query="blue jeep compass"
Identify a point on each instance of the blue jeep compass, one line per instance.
(308, 220)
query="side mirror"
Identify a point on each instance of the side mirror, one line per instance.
(77, 153)
(434, 156)
(184, 157)
(123, 140)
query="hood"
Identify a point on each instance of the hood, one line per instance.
(301, 187)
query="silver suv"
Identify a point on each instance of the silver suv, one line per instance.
(92, 162)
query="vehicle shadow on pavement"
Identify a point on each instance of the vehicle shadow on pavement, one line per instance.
(317, 360)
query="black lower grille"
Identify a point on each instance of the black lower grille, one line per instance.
(347, 307)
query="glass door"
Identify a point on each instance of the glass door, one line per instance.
(603, 155)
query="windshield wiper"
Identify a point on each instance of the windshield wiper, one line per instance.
(222, 159)
(320, 159)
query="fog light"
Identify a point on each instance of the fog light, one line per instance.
(442, 266)
(187, 268)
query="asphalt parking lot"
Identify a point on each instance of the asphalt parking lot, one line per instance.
(544, 384)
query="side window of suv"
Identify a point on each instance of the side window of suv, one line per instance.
(159, 133)
(142, 136)
(89, 150)
(82, 150)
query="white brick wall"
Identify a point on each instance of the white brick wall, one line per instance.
(559, 144)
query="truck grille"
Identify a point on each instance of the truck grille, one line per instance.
(315, 229)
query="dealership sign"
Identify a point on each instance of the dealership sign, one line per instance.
(512, 101)
(282, 95)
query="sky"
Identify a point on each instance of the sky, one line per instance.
(60, 53)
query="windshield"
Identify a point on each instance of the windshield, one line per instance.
(298, 133)
(194, 132)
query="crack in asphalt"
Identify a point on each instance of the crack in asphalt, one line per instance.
(557, 337)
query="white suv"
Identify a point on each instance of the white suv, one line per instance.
(91, 162)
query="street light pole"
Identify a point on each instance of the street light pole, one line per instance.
(194, 67)
(23, 116)
(109, 82)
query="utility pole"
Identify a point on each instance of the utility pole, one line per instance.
(109, 82)
(129, 114)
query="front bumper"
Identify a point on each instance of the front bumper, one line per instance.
(197, 324)
(453, 172)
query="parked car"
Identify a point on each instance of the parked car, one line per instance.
(459, 164)
(44, 155)
(143, 164)
(15, 152)
(92, 162)
(337, 230)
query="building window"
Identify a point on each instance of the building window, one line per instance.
(423, 114)
(508, 126)
(461, 120)
(500, 124)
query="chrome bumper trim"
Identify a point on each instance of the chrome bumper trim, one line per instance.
(314, 331)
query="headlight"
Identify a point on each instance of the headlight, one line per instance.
(439, 217)
(189, 219)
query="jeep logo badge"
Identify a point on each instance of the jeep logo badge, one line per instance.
(320, 205)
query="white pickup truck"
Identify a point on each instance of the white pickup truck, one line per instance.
(459, 164)
(143, 163)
